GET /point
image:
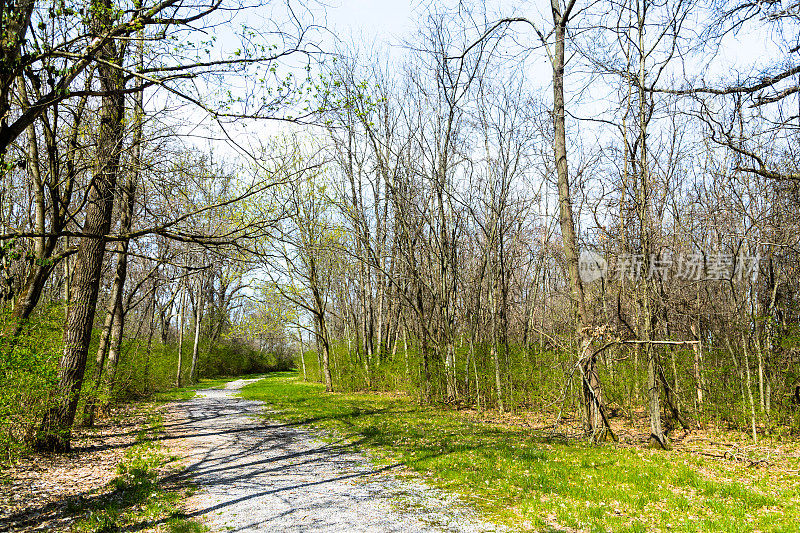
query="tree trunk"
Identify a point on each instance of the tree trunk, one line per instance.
(326, 354)
(591, 390)
(198, 315)
(45, 263)
(57, 424)
(125, 224)
(118, 322)
(117, 328)
(100, 362)
(697, 348)
(302, 352)
(749, 389)
(450, 367)
(657, 437)
(150, 333)
(181, 320)
(498, 382)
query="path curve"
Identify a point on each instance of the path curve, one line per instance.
(257, 475)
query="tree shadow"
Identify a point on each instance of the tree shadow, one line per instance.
(245, 452)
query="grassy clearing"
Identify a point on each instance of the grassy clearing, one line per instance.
(135, 499)
(187, 393)
(530, 482)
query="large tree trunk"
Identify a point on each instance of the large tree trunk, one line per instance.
(57, 424)
(111, 335)
(654, 385)
(125, 225)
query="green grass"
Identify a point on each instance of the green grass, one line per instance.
(527, 481)
(135, 498)
(188, 392)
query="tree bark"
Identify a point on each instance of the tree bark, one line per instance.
(125, 224)
(56, 427)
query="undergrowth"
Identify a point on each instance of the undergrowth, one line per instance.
(136, 499)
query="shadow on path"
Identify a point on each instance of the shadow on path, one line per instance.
(257, 476)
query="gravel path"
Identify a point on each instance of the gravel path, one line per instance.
(256, 475)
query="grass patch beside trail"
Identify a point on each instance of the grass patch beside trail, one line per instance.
(531, 483)
(189, 392)
(136, 499)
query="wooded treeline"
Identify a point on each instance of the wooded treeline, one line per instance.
(432, 223)
(117, 230)
(440, 252)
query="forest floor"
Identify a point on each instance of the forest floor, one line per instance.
(521, 474)
(118, 476)
(288, 456)
(257, 475)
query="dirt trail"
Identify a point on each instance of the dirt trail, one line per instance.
(256, 475)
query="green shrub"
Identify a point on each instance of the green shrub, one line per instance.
(27, 378)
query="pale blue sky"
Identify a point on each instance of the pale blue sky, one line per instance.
(385, 23)
(375, 19)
